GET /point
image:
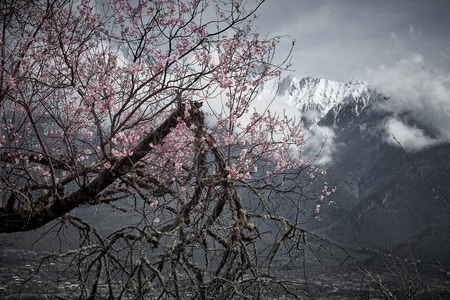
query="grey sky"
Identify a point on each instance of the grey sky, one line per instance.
(345, 39)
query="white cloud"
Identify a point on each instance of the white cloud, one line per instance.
(410, 138)
(395, 39)
(413, 33)
(419, 92)
(320, 142)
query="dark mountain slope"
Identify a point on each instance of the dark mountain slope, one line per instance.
(383, 195)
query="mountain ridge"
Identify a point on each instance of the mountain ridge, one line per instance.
(316, 97)
(381, 196)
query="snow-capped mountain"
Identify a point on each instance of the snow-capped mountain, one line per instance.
(314, 98)
(321, 94)
(380, 196)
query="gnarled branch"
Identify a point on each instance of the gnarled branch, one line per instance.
(24, 220)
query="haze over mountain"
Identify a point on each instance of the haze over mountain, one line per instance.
(386, 194)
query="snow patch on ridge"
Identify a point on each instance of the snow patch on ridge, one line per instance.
(314, 97)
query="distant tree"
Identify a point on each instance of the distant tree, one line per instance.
(145, 107)
(399, 278)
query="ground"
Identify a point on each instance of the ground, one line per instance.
(18, 276)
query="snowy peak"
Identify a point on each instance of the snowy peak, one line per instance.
(316, 97)
(308, 93)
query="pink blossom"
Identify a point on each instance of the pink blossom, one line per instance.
(154, 205)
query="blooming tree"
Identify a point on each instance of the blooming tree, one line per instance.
(145, 108)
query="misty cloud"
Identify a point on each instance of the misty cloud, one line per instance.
(410, 137)
(320, 142)
(395, 39)
(414, 34)
(418, 92)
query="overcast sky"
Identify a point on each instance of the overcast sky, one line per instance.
(347, 39)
